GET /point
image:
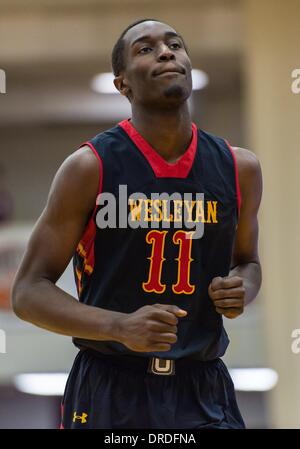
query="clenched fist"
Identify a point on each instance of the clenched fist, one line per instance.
(228, 295)
(150, 328)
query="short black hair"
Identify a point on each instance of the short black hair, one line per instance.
(117, 56)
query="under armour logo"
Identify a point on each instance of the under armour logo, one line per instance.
(82, 417)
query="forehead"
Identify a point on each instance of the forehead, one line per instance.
(149, 28)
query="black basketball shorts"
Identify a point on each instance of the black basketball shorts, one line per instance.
(119, 392)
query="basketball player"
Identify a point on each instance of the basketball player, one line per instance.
(151, 299)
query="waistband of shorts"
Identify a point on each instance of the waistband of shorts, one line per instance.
(142, 362)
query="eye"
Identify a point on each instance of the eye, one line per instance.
(144, 48)
(176, 44)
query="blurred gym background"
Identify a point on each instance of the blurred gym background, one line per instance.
(246, 53)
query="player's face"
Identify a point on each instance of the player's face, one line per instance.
(158, 68)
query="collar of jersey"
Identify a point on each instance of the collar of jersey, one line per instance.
(162, 168)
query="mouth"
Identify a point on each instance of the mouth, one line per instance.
(170, 71)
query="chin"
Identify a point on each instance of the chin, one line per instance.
(177, 93)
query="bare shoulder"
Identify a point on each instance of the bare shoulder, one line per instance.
(80, 170)
(81, 162)
(250, 177)
(75, 185)
(249, 168)
(246, 160)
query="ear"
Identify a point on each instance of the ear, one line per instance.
(121, 85)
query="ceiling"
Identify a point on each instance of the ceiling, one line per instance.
(51, 49)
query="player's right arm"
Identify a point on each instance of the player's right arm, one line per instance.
(36, 298)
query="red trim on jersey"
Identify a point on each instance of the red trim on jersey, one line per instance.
(238, 191)
(85, 247)
(89, 144)
(162, 168)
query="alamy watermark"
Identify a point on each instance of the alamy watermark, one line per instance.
(2, 81)
(2, 342)
(295, 86)
(157, 211)
(295, 346)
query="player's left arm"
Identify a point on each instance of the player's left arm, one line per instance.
(230, 294)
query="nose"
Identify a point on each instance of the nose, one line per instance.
(165, 54)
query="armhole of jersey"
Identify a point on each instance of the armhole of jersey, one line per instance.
(85, 247)
(91, 146)
(237, 185)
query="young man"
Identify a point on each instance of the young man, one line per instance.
(153, 288)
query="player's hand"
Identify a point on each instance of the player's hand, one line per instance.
(150, 328)
(228, 295)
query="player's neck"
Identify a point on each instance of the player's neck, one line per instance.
(168, 132)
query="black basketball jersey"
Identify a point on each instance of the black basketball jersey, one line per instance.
(137, 248)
